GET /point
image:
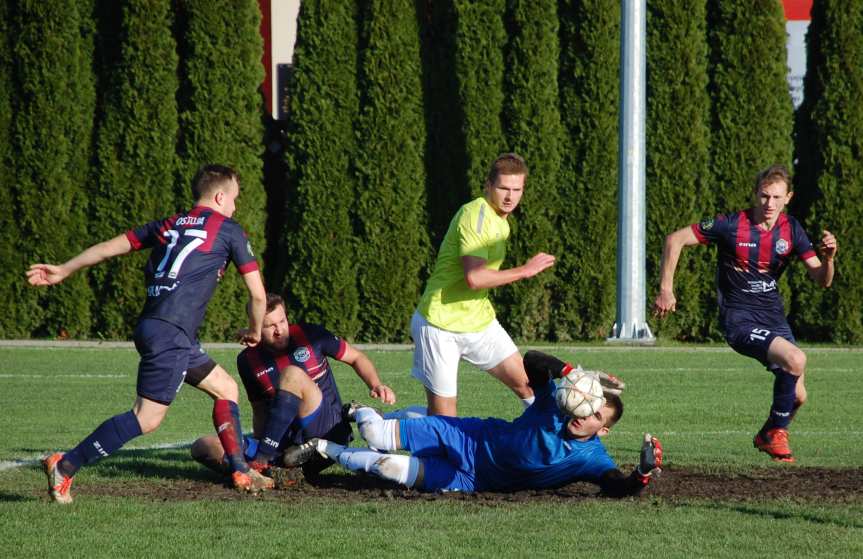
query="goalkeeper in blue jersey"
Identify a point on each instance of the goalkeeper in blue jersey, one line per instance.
(545, 447)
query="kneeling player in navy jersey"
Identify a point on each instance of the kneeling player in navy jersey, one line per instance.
(189, 252)
(545, 447)
(755, 246)
(292, 390)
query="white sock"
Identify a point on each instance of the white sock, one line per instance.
(380, 433)
(330, 449)
(393, 467)
(410, 412)
(526, 402)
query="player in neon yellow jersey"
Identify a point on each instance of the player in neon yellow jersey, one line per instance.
(455, 319)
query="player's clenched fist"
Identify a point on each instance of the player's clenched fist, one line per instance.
(829, 245)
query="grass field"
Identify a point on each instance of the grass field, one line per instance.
(704, 403)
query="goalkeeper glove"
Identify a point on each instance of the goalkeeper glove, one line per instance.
(610, 383)
(538, 362)
(650, 463)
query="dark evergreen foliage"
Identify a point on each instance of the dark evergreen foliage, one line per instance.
(321, 282)
(679, 186)
(136, 153)
(220, 122)
(829, 178)
(533, 129)
(393, 231)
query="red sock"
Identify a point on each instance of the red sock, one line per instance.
(226, 418)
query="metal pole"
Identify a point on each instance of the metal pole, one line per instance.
(630, 325)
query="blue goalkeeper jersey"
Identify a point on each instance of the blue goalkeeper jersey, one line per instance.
(534, 451)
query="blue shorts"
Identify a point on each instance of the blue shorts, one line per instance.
(446, 446)
(751, 332)
(166, 356)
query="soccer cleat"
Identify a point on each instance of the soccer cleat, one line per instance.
(251, 481)
(300, 454)
(349, 411)
(59, 485)
(775, 443)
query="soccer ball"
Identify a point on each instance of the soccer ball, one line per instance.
(579, 394)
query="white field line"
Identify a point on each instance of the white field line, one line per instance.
(35, 459)
(72, 344)
(794, 433)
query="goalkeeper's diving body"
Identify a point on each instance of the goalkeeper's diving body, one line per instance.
(545, 447)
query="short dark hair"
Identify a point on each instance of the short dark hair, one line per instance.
(506, 164)
(211, 177)
(614, 401)
(774, 173)
(274, 301)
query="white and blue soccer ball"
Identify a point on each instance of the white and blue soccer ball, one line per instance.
(579, 394)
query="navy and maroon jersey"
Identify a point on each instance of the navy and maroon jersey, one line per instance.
(750, 259)
(190, 253)
(308, 348)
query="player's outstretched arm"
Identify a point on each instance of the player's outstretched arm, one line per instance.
(614, 484)
(666, 302)
(51, 274)
(368, 373)
(478, 276)
(256, 309)
(821, 272)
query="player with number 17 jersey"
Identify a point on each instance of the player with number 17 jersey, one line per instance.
(190, 253)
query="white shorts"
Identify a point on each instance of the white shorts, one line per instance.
(437, 353)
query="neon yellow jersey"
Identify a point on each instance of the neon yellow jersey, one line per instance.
(448, 303)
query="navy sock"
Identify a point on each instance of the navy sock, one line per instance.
(109, 437)
(784, 387)
(283, 411)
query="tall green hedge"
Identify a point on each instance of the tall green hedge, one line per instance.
(534, 130)
(391, 203)
(54, 101)
(321, 282)
(830, 171)
(589, 93)
(752, 111)
(136, 153)
(480, 39)
(12, 265)
(445, 154)
(678, 160)
(220, 122)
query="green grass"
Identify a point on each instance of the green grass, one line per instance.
(704, 404)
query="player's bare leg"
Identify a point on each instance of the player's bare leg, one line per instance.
(441, 405)
(209, 452)
(511, 372)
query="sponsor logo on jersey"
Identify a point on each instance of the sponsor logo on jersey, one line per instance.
(750, 245)
(263, 372)
(190, 221)
(249, 248)
(782, 246)
(302, 354)
(706, 224)
(156, 290)
(761, 286)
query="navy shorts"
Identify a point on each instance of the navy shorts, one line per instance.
(751, 332)
(167, 354)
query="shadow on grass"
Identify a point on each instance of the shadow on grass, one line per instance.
(15, 498)
(167, 464)
(778, 514)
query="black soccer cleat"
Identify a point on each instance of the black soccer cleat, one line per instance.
(300, 454)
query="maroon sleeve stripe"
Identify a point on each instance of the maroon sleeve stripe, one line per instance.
(808, 254)
(248, 267)
(698, 234)
(133, 240)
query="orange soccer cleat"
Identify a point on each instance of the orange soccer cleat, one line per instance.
(59, 485)
(775, 443)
